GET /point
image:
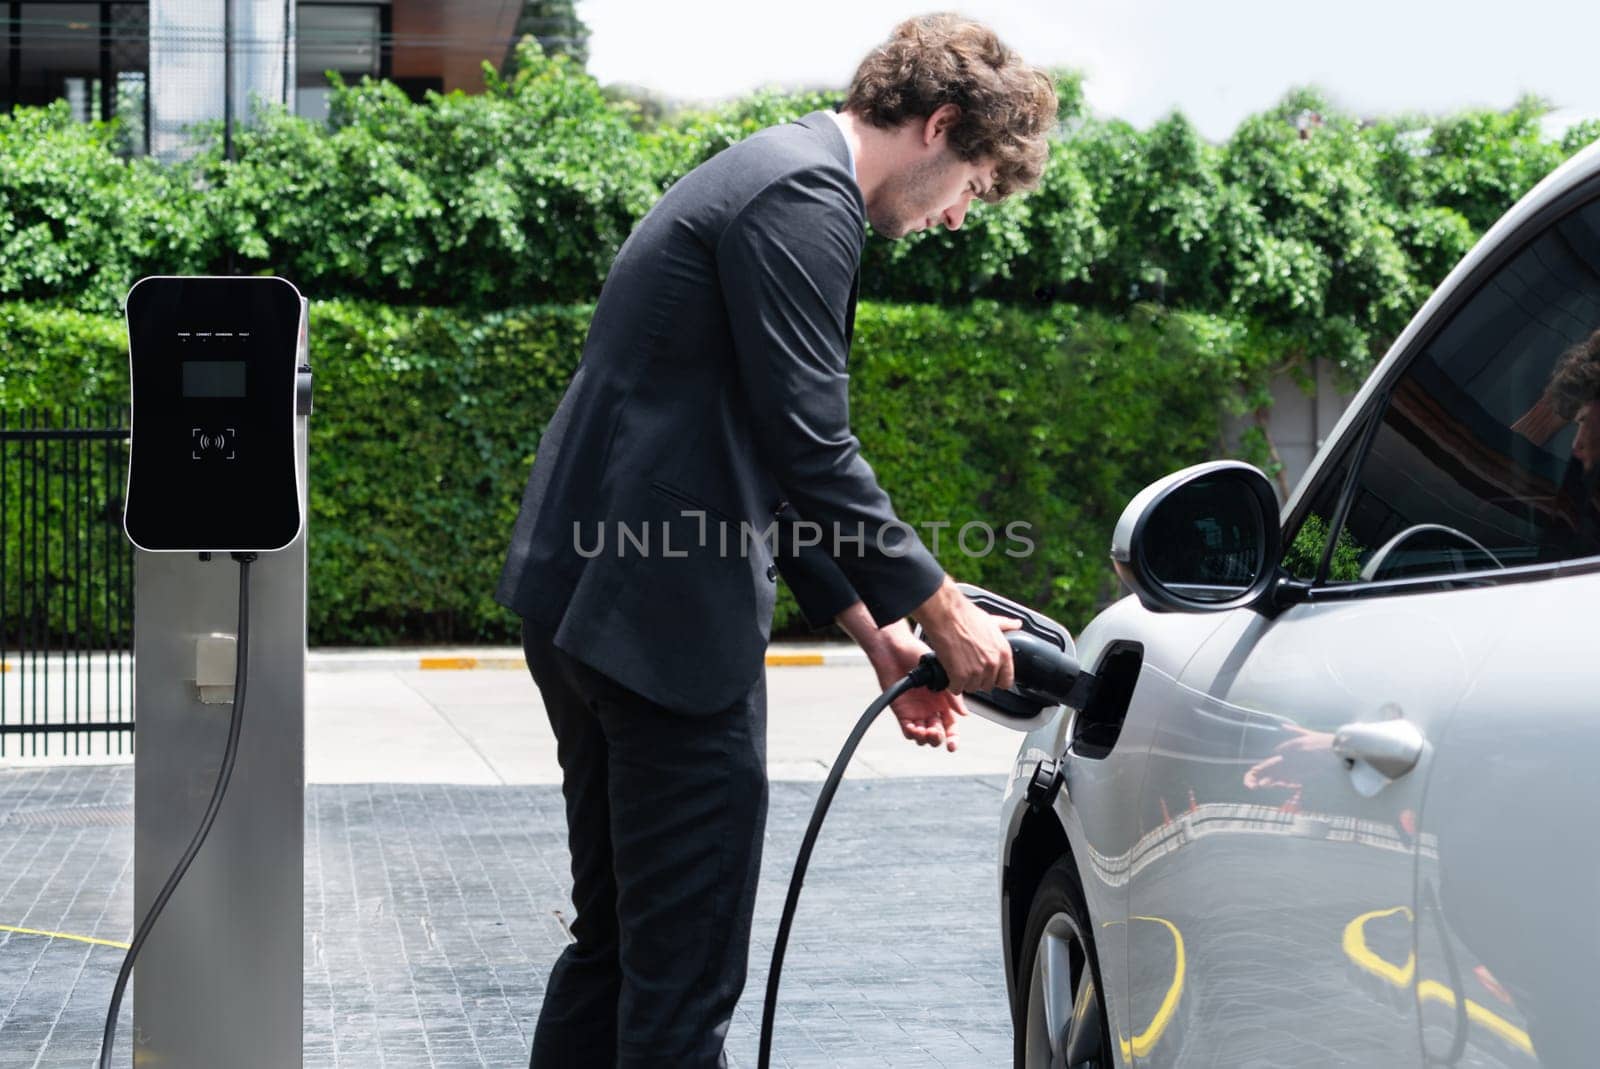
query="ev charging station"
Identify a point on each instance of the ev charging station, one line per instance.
(215, 508)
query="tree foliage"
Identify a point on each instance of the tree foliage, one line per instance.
(525, 191)
(1328, 229)
(555, 25)
(80, 222)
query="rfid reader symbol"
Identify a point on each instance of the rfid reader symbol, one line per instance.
(218, 443)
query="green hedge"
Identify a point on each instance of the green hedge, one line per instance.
(61, 368)
(426, 421)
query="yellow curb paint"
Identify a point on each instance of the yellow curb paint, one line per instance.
(430, 664)
(65, 935)
(445, 664)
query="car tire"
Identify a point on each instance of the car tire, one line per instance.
(1059, 1017)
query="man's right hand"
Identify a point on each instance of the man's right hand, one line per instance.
(970, 643)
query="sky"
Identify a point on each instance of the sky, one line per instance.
(1215, 60)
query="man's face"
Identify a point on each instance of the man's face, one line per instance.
(1586, 446)
(935, 189)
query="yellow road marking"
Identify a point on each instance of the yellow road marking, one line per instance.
(1434, 991)
(1142, 1044)
(64, 935)
(1355, 945)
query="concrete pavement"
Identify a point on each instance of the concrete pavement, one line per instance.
(433, 915)
(437, 887)
(380, 716)
(487, 726)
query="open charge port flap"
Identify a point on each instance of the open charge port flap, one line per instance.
(1098, 722)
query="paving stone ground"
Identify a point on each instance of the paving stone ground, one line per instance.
(433, 914)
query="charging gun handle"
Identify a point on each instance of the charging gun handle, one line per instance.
(1037, 665)
(929, 673)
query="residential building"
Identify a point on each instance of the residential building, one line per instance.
(163, 65)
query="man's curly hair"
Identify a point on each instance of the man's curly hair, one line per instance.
(1007, 107)
(1576, 379)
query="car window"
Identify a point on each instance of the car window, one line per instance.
(1303, 552)
(1486, 455)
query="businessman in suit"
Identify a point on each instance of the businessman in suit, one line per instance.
(705, 429)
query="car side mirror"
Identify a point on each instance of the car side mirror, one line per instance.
(1204, 539)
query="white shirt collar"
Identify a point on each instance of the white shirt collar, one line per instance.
(838, 120)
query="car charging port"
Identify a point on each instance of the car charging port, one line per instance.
(1098, 722)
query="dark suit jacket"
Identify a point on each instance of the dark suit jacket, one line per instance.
(712, 392)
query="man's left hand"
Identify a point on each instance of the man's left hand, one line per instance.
(927, 718)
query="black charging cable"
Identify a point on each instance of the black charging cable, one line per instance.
(240, 664)
(928, 673)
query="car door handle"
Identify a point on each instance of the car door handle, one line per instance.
(1391, 747)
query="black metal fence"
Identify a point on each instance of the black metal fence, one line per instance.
(66, 584)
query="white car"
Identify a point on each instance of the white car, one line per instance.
(1333, 800)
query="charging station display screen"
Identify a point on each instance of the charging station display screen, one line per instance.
(213, 378)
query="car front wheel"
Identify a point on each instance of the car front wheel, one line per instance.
(1060, 1017)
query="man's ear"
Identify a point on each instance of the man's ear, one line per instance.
(940, 122)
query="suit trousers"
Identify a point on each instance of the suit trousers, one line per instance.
(665, 816)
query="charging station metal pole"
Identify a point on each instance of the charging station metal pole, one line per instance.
(221, 980)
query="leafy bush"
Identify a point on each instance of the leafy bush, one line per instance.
(524, 192)
(52, 355)
(79, 221)
(1328, 228)
(1053, 418)
(690, 138)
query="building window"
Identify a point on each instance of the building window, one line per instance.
(95, 56)
(345, 38)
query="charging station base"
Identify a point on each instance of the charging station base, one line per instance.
(221, 980)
